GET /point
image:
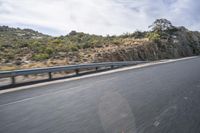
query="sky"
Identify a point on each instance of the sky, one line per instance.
(102, 17)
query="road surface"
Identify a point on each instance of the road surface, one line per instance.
(162, 98)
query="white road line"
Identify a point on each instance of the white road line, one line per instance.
(73, 90)
(30, 98)
(97, 74)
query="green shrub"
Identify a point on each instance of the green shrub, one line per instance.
(40, 57)
(49, 50)
(35, 46)
(153, 36)
(86, 45)
(72, 47)
(57, 41)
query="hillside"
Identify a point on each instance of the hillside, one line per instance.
(25, 48)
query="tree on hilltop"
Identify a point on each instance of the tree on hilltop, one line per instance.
(160, 25)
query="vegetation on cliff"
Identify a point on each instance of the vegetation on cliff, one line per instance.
(27, 48)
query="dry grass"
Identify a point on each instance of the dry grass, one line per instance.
(83, 56)
(48, 63)
(8, 68)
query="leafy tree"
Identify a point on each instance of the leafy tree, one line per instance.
(160, 25)
(73, 32)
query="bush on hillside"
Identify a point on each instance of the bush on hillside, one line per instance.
(154, 36)
(40, 57)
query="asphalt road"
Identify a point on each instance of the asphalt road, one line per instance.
(157, 99)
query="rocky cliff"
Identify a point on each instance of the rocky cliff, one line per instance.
(180, 43)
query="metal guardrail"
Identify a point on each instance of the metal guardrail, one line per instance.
(76, 68)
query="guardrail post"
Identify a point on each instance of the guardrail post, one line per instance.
(77, 72)
(13, 80)
(50, 75)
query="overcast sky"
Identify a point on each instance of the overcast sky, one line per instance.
(59, 17)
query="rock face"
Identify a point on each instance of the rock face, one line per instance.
(180, 44)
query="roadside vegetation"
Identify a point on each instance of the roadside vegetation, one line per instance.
(25, 48)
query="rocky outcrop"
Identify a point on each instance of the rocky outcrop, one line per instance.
(180, 44)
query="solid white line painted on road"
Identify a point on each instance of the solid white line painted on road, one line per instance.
(97, 74)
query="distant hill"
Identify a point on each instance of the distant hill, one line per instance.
(7, 32)
(26, 48)
(13, 42)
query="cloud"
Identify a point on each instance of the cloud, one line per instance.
(4, 8)
(103, 17)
